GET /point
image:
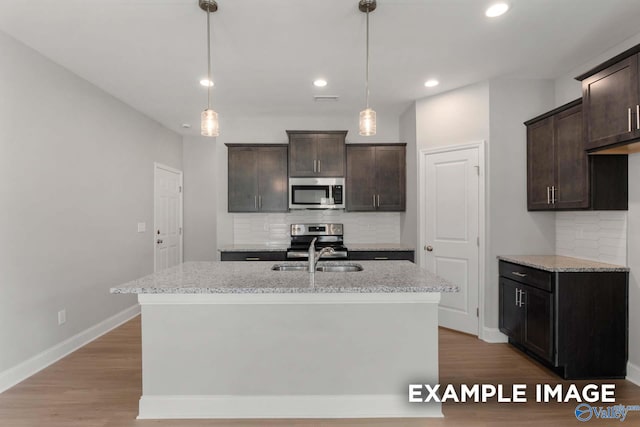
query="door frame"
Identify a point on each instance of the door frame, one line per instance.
(481, 147)
(156, 167)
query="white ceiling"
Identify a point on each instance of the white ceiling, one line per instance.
(152, 53)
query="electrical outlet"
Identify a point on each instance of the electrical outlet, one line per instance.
(62, 316)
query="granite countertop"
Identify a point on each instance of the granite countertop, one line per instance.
(561, 264)
(255, 247)
(378, 247)
(257, 277)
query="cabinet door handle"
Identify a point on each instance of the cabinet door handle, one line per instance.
(319, 166)
(548, 195)
(637, 116)
(516, 273)
(252, 258)
(517, 296)
(374, 200)
(522, 300)
(553, 194)
(255, 202)
(629, 111)
(378, 200)
(314, 166)
(260, 202)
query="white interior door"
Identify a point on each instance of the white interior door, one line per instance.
(167, 237)
(451, 232)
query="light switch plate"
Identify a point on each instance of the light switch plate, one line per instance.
(142, 227)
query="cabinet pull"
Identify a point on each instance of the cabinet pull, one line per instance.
(252, 258)
(637, 116)
(319, 166)
(374, 200)
(516, 273)
(314, 166)
(517, 296)
(255, 202)
(378, 200)
(548, 195)
(260, 202)
(522, 300)
(381, 258)
(629, 111)
(553, 194)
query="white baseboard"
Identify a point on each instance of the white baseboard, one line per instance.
(324, 406)
(493, 336)
(633, 373)
(31, 366)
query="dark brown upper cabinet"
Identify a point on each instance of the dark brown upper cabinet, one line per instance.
(316, 153)
(560, 173)
(376, 177)
(611, 103)
(257, 178)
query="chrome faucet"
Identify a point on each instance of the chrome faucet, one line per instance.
(314, 257)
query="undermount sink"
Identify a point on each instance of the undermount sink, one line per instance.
(327, 268)
(342, 268)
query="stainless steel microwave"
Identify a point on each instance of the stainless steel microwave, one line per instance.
(316, 193)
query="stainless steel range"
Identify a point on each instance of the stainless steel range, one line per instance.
(328, 235)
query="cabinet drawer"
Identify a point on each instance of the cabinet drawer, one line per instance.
(531, 276)
(253, 256)
(382, 255)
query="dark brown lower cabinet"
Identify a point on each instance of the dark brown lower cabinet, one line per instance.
(576, 323)
(253, 256)
(382, 255)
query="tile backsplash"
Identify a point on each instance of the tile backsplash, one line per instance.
(359, 227)
(595, 235)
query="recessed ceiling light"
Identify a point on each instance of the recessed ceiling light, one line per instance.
(431, 83)
(496, 9)
(206, 82)
(320, 83)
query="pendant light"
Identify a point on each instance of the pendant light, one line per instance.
(209, 121)
(367, 116)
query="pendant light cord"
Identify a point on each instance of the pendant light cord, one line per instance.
(209, 83)
(367, 73)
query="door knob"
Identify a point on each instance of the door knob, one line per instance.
(429, 248)
(159, 241)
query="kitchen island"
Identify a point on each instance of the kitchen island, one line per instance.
(239, 340)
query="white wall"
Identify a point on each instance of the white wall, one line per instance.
(200, 198)
(252, 130)
(409, 218)
(77, 176)
(567, 89)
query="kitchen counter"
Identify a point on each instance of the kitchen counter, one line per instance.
(561, 264)
(257, 277)
(238, 340)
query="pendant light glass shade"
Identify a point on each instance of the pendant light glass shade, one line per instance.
(209, 125)
(367, 122)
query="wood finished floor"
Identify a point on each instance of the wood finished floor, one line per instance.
(100, 384)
